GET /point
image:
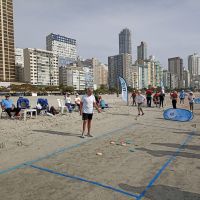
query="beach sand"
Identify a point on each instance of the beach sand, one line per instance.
(50, 148)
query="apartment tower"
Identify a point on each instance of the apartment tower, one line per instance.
(7, 51)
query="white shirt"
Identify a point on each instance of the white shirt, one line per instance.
(88, 102)
(67, 100)
(140, 99)
(191, 98)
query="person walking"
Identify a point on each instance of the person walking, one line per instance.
(182, 96)
(174, 97)
(87, 105)
(161, 98)
(191, 98)
(140, 99)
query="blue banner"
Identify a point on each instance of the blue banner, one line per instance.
(124, 89)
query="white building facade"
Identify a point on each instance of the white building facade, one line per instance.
(64, 47)
(40, 67)
(72, 76)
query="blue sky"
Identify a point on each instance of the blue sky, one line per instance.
(170, 27)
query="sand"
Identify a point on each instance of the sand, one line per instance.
(150, 142)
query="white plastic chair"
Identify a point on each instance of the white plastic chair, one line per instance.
(61, 105)
(3, 112)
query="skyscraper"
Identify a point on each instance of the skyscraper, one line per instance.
(142, 51)
(64, 47)
(125, 42)
(194, 64)
(119, 65)
(175, 66)
(7, 51)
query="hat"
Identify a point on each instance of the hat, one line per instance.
(7, 95)
(191, 92)
(77, 94)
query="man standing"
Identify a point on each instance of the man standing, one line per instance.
(182, 96)
(86, 110)
(174, 97)
(9, 107)
(148, 95)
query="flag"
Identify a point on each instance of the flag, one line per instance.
(124, 89)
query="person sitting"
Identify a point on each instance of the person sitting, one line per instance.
(68, 103)
(77, 101)
(9, 107)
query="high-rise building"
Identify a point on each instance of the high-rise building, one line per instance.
(143, 74)
(119, 65)
(72, 76)
(125, 42)
(142, 51)
(19, 65)
(175, 66)
(194, 64)
(100, 71)
(134, 76)
(40, 67)
(7, 51)
(64, 47)
(186, 79)
(170, 80)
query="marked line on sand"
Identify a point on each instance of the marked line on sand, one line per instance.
(171, 159)
(135, 196)
(64, 149)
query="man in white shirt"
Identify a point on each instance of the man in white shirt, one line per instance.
(86, 110)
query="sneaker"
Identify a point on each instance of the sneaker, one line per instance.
(82, 136)
(142, 113)
(89, 135)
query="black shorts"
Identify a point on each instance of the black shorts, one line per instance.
(86, 116)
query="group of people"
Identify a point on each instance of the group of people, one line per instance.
(158, 98)
(174, 97)
(86, 106)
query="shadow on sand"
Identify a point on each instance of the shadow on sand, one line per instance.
(57, 133)
(161, 153)
(190, 147)
(162, 192)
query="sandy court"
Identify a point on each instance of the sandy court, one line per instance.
(161, 160)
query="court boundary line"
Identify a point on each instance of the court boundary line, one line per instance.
(108, 187)
(63, 149)
(166, 164)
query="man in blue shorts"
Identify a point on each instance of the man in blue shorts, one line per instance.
(86, 110)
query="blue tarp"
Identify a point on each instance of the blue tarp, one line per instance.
(197, 100)
(181, 115)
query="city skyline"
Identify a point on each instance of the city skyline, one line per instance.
(169, 28)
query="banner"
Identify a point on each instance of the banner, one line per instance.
(124, 89)
(162, 87)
